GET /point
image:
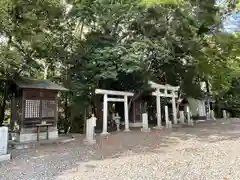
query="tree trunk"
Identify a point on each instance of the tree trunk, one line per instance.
(208, 93)
(67, 96)
(133, 99)
(1, 115)
(45, 75)
(85, 120)
(178, 102)
(4, 102)
(66, 109)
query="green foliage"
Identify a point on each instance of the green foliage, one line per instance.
(115, 44)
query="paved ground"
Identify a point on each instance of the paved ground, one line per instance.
(210, 150)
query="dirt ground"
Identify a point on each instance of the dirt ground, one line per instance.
(209, 150)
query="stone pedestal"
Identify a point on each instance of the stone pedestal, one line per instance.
(104, 133)
(30, 134)
(145, 123)
(181, 117)
(116, 119)
(118, 127)
(91, 123)
(4, 156)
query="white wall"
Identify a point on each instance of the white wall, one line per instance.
(197, 107)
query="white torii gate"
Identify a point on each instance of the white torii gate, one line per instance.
(168, 91)
(107, 99)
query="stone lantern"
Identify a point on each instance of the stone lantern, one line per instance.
(117, 118)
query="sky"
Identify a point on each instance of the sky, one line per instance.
(232, 22)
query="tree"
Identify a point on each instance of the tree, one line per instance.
(114, 44)
(28, 40)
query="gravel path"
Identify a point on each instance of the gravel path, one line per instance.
(208, 151)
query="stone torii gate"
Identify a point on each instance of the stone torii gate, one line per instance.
(107, 99)
(164, 91)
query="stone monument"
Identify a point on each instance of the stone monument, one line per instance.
(4, 156)
(228, 115)
(168, 123)
(212, 115)
(181, 117)
(91, 123)
(189, 120)
(224, 114)
(145, 123)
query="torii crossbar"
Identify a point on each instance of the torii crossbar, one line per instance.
(106, 99)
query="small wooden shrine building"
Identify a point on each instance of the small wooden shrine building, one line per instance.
(34, 102)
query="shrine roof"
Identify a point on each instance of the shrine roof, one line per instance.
(29, 83)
